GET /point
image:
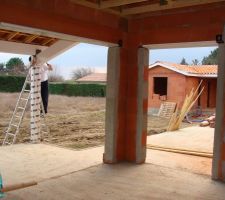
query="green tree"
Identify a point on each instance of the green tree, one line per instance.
(183, 62)
(195, 62)
(81, 72)
(212, 58)
(15, 63)
(2, 66)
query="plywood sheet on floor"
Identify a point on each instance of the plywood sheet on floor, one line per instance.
(125, 182)
(194, 164)
(192, 138)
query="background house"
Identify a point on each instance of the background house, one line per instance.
(93, 78)
(171, 82)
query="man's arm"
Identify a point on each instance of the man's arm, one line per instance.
(49, 67)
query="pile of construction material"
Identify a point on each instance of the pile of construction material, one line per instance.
(189, 101)
(210, 121)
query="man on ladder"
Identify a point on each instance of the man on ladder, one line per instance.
(33, 94)
(44, 68)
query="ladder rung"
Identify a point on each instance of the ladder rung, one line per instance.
(26, 90)
(14, 125)
(13, 134)
(21, 108)
(7, 143)
(44, 132)
(18, 116)
(24, 99)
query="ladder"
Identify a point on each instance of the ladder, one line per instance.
(18, 114)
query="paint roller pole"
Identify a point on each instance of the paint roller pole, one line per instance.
(18, 186)
(1, 187)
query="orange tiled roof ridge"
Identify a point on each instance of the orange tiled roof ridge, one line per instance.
(191, 69)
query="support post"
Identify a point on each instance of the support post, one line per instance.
(218, 166)
(142, 104)
(112, 95)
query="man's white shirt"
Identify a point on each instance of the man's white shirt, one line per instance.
(44, 72)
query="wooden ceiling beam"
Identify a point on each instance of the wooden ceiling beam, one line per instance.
(170, 5)
(116, 3)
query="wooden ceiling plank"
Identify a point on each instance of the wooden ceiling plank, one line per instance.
(30, 38)
(47, 41)
(170, 5)
(12, 35)
(116, 3)
(94, 5)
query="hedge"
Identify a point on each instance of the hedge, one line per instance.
(15, 83)
(77, 89)
(11, 83)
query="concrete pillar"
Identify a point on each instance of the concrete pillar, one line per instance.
(142, 104)
(112, 96)
(126, 105)
(218, 167)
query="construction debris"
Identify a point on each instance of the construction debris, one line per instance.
(210, 121)
(189, 101)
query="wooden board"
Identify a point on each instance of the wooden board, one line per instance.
(167, 109)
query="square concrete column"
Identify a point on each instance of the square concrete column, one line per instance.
(142, 104)
(218, 167)
(112, 98)
(126, 105)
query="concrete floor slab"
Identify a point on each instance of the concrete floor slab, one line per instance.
(36, 162)
(123, 182)
(192, 138)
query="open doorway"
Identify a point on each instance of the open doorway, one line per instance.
(173, 73)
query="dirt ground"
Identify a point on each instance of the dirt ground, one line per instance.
(75, 122)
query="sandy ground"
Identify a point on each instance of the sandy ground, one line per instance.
(75, 122)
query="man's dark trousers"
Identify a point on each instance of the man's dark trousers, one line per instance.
(44, 94)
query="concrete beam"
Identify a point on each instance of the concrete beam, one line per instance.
(61, 36)
(142, 104)
(19, 48)
(218, 167)
(112, 95)
(55, 50)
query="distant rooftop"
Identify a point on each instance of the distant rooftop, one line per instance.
(94, 77)
(189, 70)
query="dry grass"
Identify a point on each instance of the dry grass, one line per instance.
(75, 122)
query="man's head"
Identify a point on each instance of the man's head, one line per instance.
(33, 59)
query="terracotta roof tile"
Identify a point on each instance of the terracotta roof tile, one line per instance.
(198, 70)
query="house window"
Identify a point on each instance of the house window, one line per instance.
(160, 85)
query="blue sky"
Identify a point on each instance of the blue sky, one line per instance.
(93, 56)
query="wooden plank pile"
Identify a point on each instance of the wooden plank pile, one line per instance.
(167, 109)
(189, 101)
